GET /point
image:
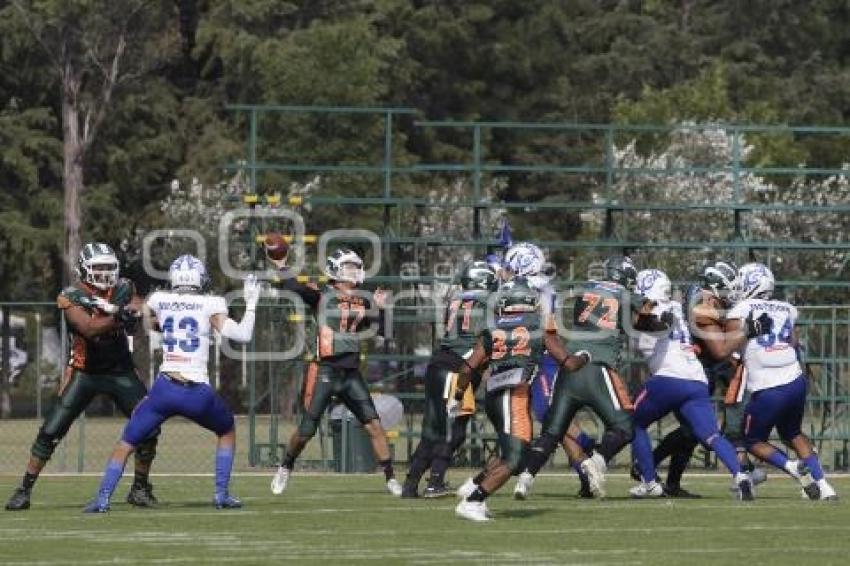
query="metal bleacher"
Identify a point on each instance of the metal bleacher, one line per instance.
(670, 195)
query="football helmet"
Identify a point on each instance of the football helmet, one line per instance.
(517, 296)
(478, 276)
(654, 285)
(345, 265)
(754, 281)
(187, 273)
(718, 278)
(620, 269)
(524, 259)
(97, 265)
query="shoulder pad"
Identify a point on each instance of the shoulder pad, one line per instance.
(73, 296)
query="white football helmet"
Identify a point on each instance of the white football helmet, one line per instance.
(654, 285)
(97, 265)
(525, 259)
(754, 281)
(187, 273)
(345, 265)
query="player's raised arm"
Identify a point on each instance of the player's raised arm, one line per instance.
(243, 330)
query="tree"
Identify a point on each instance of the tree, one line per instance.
(94, 47)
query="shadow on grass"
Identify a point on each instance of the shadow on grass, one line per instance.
(521, 513)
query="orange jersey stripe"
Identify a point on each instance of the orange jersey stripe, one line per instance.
(520, 415)
(620, 390)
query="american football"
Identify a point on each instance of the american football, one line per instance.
(276, 246)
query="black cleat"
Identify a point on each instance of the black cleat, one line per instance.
(435, 491)
(635, 473)
(584, 492)
(409, 492)
(679, 492)
(745, 488)
(812, 491)
(20, 500)
(141, 495)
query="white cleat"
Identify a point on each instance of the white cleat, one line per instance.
(394, 487)
(827, 493)
(523, 486)
(280, 479)
(472, 511)
(466, 489)
(595, 468)
(646, 490)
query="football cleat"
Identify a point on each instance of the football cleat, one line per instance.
(811, 491)
(466, 489)
(745, 491)
(646, 490)
(226, 501)
(524, 482)
(758, 476)
(827, 493)
(20, 500)
(436, 491)
(595, 468)
(394, 487)
(678, 492)
(473, 511)
(96, 506)
(141, 495)
(409, 491)
(584, 492)
(280, 479)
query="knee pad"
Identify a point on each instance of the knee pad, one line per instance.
(44, 445)
(546, 443)
(146, 451)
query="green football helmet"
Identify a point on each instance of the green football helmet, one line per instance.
(97, 265)
(620, 269)
(517, 296)
(478, 276)
(718, 278)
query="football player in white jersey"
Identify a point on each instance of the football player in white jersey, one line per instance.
(187, 319)
(775, 378)
(677, 384)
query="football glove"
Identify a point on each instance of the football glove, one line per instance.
(760, 326)
(129, 319)
(251, 292)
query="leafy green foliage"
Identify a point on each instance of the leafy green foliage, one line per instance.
(782, 62)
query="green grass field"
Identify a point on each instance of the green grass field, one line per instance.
(337, 519)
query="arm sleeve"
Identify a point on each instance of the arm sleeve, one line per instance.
(309, 295)
(242, 331)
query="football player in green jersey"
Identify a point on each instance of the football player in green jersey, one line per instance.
(465, 318)
(342, 312)
(511, 350)
(100, 311)
(598, 328)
